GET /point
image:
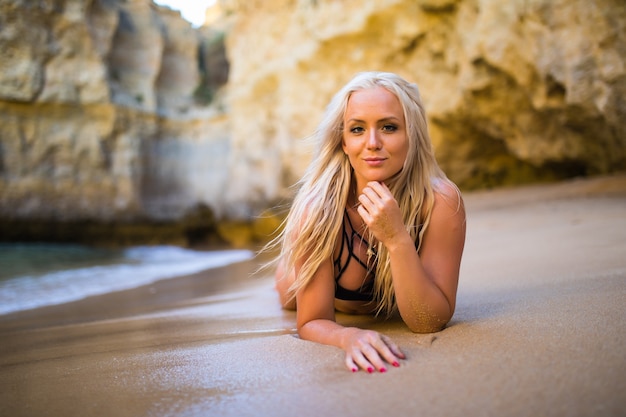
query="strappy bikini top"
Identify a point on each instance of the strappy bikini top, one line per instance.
(348, 241)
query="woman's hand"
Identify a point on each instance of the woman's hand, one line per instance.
(381, 213)
(370, 350)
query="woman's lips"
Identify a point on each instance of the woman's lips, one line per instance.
(374, 162)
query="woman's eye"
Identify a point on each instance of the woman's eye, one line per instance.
(356, 130)
(390, 128)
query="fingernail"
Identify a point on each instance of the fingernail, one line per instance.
(383, 369)
(370, 369)
(396, 364)
(355, 370)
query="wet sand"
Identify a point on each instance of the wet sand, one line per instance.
(539, 330)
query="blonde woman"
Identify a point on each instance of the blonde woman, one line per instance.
(375, 227)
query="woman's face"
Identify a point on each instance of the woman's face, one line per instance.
(374, 135)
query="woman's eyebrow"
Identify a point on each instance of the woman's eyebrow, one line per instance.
(389, 119)
(384, 119)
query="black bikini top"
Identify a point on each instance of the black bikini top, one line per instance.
(348, 241)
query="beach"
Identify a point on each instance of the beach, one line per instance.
(539, 330)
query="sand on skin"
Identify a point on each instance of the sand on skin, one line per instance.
(540, 329)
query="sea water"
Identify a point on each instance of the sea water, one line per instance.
(37, 275)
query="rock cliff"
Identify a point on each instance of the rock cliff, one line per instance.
(109, 115)
(516, 91)
(117, 113)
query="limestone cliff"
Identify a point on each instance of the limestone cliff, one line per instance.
(516, 91)
(109, 114)
(118, 112)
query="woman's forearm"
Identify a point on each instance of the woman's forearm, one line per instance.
(423, 306)
(323, 331)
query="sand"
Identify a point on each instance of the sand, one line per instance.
(539, 330)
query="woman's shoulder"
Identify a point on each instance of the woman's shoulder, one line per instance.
(446, 191)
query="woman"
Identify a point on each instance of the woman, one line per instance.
(375, 226)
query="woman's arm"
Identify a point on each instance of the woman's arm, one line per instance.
(425, 284)
(364, 349)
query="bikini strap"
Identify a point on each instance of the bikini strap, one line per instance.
(347, 241)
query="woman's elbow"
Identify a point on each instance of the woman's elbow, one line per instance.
(426, 323)
(423, 328)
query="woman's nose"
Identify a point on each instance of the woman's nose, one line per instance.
(373, 141)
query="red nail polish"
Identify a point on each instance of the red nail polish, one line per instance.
(355, 370)
(370, 369)
(396, 364)
(383, 369)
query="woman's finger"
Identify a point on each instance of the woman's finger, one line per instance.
(351, 365)
(359, 359)
(396, 350)
(384, 351)
(378, 191)
(367, 202)
(370, 352)
(365, 215)
(373, 355)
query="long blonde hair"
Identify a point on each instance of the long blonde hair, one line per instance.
(316, 215)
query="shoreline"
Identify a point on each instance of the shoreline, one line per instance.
(163, 294)
(539, 329)
(36, 281)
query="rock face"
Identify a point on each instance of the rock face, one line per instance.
(119, 112)
(516, 91)
(100, 120)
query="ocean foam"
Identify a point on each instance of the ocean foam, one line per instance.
(139, 266)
